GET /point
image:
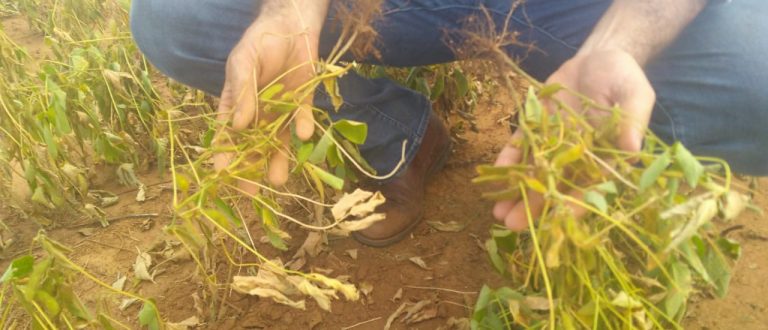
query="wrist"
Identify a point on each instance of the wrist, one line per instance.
(307, 14)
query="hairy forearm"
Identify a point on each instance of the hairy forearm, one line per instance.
(642, 28)
(312, 13)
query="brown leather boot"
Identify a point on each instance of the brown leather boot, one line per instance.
(405, 193)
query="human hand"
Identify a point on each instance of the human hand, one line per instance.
(608, 77)
(278, 47)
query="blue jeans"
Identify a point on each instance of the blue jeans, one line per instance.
(711, 83)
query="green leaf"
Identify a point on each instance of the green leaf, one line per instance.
(270, 92)
(321, 149)
(729, 247)
(676, 298)
(354, 131)
(493, 253)
(329, 179)
(691, 166)
(302, 155)
(654, 171)
(438, 87)
(332, 89)
(533, 108)
(549, 90)
(688, 251)
(49, 303)
(462, 83)
(571, 155)
(228, 212)
(597, 200)
(608, 188)
(19, 268)
(719, 270)
(148, 316)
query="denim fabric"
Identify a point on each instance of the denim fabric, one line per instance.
(709, 83)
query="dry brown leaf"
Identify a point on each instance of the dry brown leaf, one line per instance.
(120, 283)
(141, 196)
(450, 226)
(416, 310)
(366, 288)
(142, 265)
(398, 295)
(313, 245)
(87, 232)
(419, 262)
(244, 287)
(368, 207)
(735, 203)
(356, 225)
(537, 303)
(456, 324)
(348, 201)
(400, 310)
(125, 303)
(321, 296)
(190, 322)
(423, 315)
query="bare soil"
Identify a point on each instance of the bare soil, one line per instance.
(458, 266)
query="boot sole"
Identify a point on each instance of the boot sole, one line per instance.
(403, 234)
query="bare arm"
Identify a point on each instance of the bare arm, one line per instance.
(642, 28)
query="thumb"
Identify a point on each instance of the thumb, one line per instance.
(638, 107)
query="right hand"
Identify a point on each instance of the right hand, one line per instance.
(609, 78)
(271, 46)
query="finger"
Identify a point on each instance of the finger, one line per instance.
(502, 208)
(279, 162)
(248, 187)
(223, 139)
(510, 154)
(305, 123)
(517, 218)
(241, 76)
(637, 114)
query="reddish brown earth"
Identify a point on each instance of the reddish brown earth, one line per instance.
(458, 267)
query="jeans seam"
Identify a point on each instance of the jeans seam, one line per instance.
(678, 132)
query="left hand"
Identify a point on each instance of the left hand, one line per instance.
(609, 77)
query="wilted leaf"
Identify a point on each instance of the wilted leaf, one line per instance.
(399, 311)
(704, 214)
(141, 267)
(190, 322)
(623, 300)
(357, 225)
(398, 295)
(538, 303)
(450, 226)
(141, 196)
(735, 203)
(358, 204)
(419, 262)
(87, 232)
(415, 310)
(120, 283)
(127, 302)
